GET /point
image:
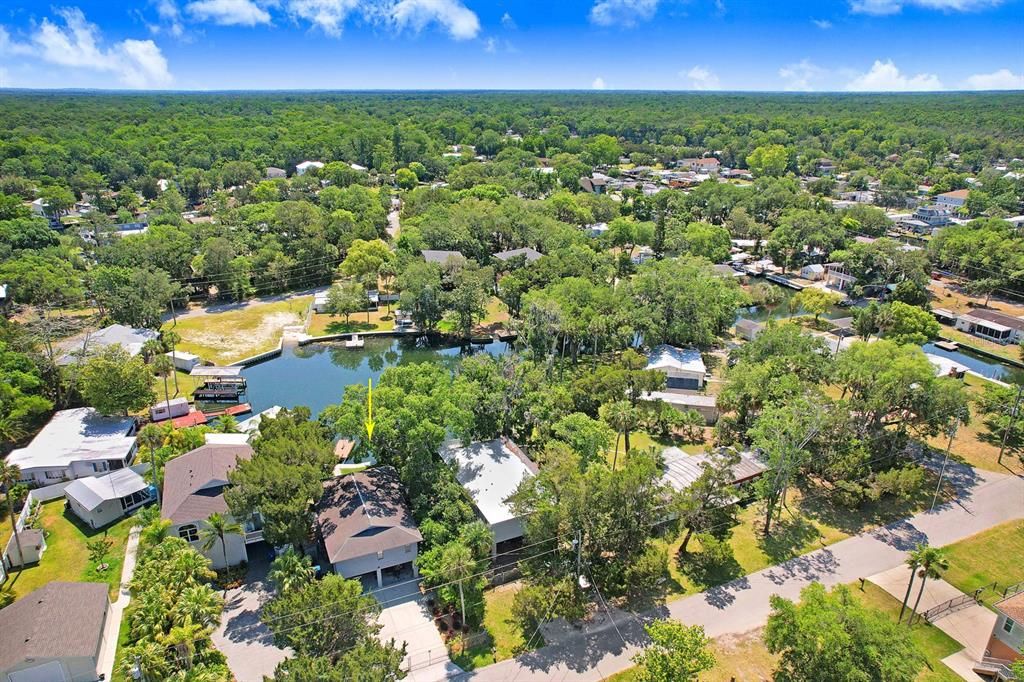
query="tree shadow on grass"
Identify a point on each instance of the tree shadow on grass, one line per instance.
(789, 538)
(709, 571)
(342, 327)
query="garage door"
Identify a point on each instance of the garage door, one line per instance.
(679, 382)
(47, 672)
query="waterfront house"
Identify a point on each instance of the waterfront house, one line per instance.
(1006, 643)
(992, 325)
(365, 526)
(952, 201)
(194, 486)
(813, 272)
(76, 443)
(101, 500)
(491, 471)
(56, 634)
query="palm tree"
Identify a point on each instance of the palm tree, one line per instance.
(290, 570)
(913, 561)
(153, 533)
(151, 659)
(151, 349)
(218, 526)
(182, 638)
(457, 562)
(163, 367)
(198, 603)
(622, 417)
(10, 474)
(227, 423)
(151, 437)
(172, 339)
(933, 563)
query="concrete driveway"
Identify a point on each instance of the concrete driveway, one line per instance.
(244, 640)
(406, 618)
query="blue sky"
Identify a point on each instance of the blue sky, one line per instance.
(874, 45)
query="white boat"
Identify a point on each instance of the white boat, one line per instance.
(355, 342)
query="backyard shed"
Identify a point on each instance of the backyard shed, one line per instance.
(102, 500)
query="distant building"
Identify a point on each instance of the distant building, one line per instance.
(825, 166)
(748, 329)
(365, 526)
(952, 200)
(490, 472)
(683, 367)
(306, 166)
(595, 185)
(530, 254)
(813, 272)
(131, 339)
(705, 165)
(442, 257)
(836, 276)
(56, 634)
(936, 215)
(274, 173)
(76, 443)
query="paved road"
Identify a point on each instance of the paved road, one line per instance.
(243, 639)
(986, 499)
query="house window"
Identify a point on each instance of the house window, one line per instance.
(98, 467)
(189, 532)
(1008, 625)
(380, 554)
(55, 475)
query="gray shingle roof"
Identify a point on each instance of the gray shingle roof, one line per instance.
(194, 482)
(59, 620)
(531, 254)
(441, 257)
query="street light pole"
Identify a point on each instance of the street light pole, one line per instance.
(1009, 425)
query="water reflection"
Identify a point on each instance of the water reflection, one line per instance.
(316, 375)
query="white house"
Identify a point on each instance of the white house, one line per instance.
(184, 361)
(306, 166)
(836, 276)
(683, 367)
(365, 525)
(101, 500)
(490, 472)
(129, 338)
(76, 443)
(992, 325)
(813, 272)
(320, 304)
(56, 634)
(748, 329)
(952, 200)
(194, 486)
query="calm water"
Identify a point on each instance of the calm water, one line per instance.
(316, 375)
(987, 367)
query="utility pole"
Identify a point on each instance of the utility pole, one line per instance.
(1010, 424)
(942, 472)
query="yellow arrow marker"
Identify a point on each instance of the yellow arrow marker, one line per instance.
(369, 409)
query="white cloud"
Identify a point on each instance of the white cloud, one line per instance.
(229, 12)
(9, 47)
(622, 12)
(884, 7)
(170, 17)
(701, 78)
(491, 45)
(327, 15)
(460, 21)
(885, 76)
(800, 76)
(508, 22)
(136, 63)
(823, 24)
(598, 84)
(1003, 79)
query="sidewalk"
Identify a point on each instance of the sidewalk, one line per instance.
(988, 499)
(117, 608)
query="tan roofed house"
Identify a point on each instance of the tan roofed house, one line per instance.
(194, 486)
(365, 525)
(55, 634)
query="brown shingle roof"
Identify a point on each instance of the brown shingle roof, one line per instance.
(365, 513)
(59, 620)
(194, 482)
(1013, 607)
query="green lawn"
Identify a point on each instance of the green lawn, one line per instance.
(66, 556)
(238, 331)
(504, 638)
(496, 318)
(324, 324)
(986, 558)
(1009, 351)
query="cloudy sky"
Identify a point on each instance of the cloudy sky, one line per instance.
(837, 45)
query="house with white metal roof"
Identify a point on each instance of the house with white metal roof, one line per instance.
(683, 469)
(490, 472)
(131, 339)
(683, 367)
(76, 443)
(102, 500)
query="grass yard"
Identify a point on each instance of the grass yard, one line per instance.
(986, 558)
(186, 385)
(66, 557)
(226, 334)
(506, 639)
(1009, 351)
(496, 319)
(122, 643)
(323, 324)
